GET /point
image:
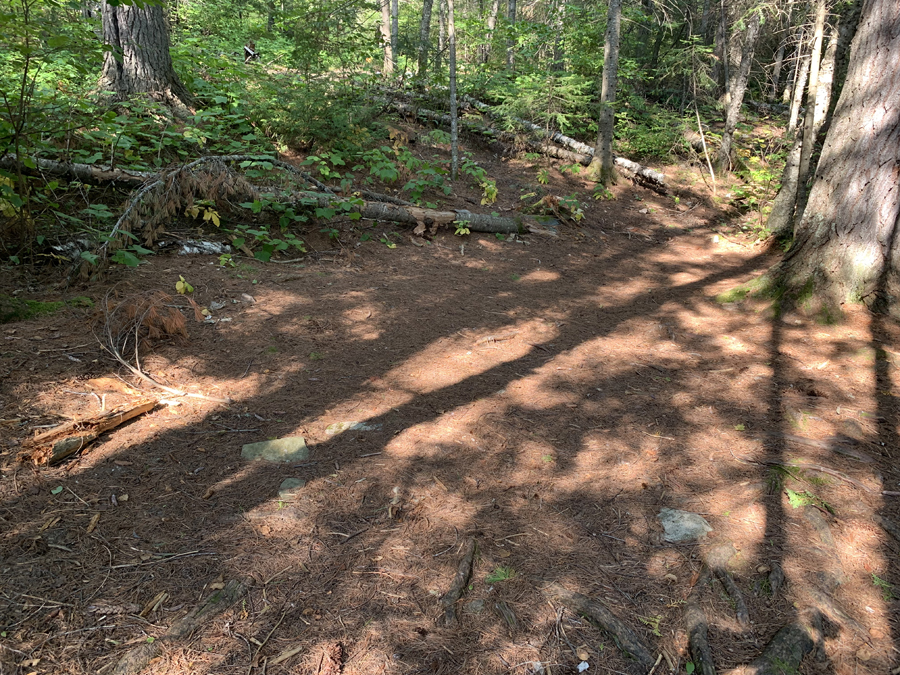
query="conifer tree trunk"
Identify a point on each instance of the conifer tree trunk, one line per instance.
(424, 36)
(139, 62)
(395, 30)
(810, 128)
(734, 95)
(602, 167)
(491, 26)
(846, 247)
(511, 43)
(454, 122)
(802, 74)
(442, 34)
(386, 42)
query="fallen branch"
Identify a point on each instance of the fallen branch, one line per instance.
(458, 585)
(597, 613)
(53, 446)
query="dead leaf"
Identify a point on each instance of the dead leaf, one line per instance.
(417, 241)
(93, 524)
(420, 229)
(210, 491)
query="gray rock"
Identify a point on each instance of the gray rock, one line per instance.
(290, 488)
(474, 607)
(341, 427)
(682, 526)
(290, 449)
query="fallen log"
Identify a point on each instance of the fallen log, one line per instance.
(55, 445)
(459, 583)
(599, 614)
(644, 174)
(432, 218)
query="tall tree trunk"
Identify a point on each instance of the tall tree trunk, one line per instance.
(799, 87)
(491, 26)
(511, 43)
(846, 247)
(602, 168)
(779, 55)
(395, 30)
(442, 34)
(385, 29)
(558, 27)
(734, 96)
(809, 123)
(424, 36)
(139, 61)
(704, 22)
(454, 121)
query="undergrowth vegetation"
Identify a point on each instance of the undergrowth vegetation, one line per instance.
(313, 89)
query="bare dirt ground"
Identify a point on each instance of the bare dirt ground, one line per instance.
(545, 397)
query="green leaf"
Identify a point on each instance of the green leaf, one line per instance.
(689, 667)
(92, 258)
(738, 427)
(56, 490)
(29, 162)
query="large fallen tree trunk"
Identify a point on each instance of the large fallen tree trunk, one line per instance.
(375, 206)
(432, 218)
(640, 173)
(579, 150)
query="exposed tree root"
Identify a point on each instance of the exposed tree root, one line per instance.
(717, 559)
(787, 649)
(698, 628)
(136, 659)
(458, 585)
(597, 613)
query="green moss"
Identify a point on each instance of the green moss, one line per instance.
(14, 309)
(758, 288)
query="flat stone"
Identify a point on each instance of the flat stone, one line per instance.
(474, 607)
(290, 488)
(341, 427)
(290, 449)
(682, 526)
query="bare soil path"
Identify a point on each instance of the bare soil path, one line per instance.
(546, 397)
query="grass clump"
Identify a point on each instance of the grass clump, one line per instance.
(15, 309)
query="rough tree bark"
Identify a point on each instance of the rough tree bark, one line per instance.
(454, 118)
(491, 26)
(511, 43)
(424, 36)
(385, 29)
(734, 95)
(602, 169)
(395, 29)
(809, 123)
(139, 61)
(846, 243)
(442, 34)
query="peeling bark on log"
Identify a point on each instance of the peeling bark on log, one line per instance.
(458, 585)
(139, 657)
(53, 446)
(597, 613)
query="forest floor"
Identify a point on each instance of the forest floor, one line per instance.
(544, 396)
